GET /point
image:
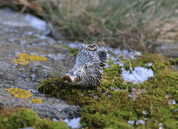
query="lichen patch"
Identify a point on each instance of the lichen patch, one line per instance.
(37, 101)
(24, 57)
(19, 93)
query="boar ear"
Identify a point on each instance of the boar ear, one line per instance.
(91, 47)
(102, 56)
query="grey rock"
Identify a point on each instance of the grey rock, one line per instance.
(33, 76)
(34, 91)
(16, 39)
(1, 103)
(23, 76)
(12, 39)
(72, 113)
(32, 70)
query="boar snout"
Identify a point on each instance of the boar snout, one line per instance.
(69, 79)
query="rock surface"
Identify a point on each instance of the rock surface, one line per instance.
(25, 39)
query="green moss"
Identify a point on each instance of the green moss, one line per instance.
(108, 113)
(116, 110)
(74, 95)
(10, 119)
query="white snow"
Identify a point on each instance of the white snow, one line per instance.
(171, 101)
(140, 122)
(125, 53)
(13, 18)
(144, 112)
(74, 123)
(149, 64)
(36, 22)
(131, 122)
(74, 44)
(138, 53)
(160, 125)
(139, 75)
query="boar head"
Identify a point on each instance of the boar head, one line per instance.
(88, 69)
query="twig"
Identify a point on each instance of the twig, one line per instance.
(151, 108)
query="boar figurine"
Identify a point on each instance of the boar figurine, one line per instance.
(88, 69)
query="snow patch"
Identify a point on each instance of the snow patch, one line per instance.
(74, 123)
(139, 75)
(37, 23)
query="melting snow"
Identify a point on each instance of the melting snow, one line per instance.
(139, 75)
(37, 23)
(74, 44)
(74, 123)
(13, 18)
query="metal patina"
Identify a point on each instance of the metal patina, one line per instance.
(88, 69)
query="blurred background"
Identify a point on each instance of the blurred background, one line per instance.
(142, 25)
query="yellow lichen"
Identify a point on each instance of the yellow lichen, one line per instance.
(23, 57)
(19, 93)
(37, 101)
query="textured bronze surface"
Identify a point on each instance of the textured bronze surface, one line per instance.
(88, 69)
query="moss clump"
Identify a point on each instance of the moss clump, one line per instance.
(104, 107)
(20, 118)
(74, 95)
(23, 57)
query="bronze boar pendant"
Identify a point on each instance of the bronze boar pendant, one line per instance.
(88, 69)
